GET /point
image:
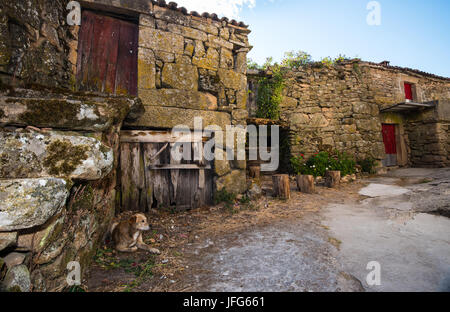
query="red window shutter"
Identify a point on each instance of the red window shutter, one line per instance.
(408, 91)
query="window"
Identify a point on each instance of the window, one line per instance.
(409, 91)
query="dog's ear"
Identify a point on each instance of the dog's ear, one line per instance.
(133, 220)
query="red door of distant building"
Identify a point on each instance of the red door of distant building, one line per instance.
(390, 145)
(107, 55)
(408, 91)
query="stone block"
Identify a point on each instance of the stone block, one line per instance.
(169, 117)
(161, 40)
(180, 76)
(179, 98)
(27, 203)
(146, 69)
(36, 155)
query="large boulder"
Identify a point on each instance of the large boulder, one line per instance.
(26, 203)
(34, 155)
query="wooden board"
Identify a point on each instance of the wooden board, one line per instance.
(107, 55)
(149, 182)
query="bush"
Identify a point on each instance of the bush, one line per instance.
(223, 196)
(321, 162)
(270, 95)
(368, 165)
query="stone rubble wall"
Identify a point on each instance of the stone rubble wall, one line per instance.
(36, 45)
(338, 107)
(194, 67)
(57, 185)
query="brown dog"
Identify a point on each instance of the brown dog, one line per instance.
(127, 235)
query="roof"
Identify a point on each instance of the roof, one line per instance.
(386, 64)
(213, 16)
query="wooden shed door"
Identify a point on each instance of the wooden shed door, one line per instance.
(107, 55)
(151, 179)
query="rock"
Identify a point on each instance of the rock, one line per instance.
(60, 112)
(179, 98)
(232, 79)
(17, 280)
(151, 38)
(7, 240)
(34, 155)
(169, 117)
(255, 191)
(235, 182)
(14, 259)
(26, 203)
(221, 163)
(180, 76)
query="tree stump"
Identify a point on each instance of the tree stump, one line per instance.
(281, 186)
(254, 172)
(332, 178)
(306, 184)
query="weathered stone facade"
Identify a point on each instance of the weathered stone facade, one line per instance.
(59, 148)
(339, 107)
(189, 67)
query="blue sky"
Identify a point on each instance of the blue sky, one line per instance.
(412, 33)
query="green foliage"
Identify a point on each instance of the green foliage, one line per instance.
(321, 162)
(294, 59)
(343, 162)
(270, 95)
(223, 196)
(368, 165)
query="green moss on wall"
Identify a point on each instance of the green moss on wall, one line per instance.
(63, 157)
(50, 112)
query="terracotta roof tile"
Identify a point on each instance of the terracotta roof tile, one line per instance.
(213, 16)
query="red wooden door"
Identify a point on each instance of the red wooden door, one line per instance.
(389, 139)
(408, 91)
(107, 55)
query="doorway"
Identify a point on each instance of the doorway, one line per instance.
(150, 178)
(107, 55)
(390, 145)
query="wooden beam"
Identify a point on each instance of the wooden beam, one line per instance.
(179, 167)
(137, 136)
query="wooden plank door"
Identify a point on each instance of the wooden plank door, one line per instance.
(390, 144)
(107, 55)
(150, 178)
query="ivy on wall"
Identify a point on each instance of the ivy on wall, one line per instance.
(270, 95)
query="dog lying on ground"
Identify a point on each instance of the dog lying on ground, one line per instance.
(127, 235)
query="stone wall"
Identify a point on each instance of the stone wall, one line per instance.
(59, 148)
(191, 66)
(58, 156)
(338, 107)
(35, 44)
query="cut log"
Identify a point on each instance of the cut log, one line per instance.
(306, 184)
(281, 186)
(332, 178)
(254, 172)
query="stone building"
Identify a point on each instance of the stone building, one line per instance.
(399, 116)
(86, 114)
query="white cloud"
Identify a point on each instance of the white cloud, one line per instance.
(228, 8)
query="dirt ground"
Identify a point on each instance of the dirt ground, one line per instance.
(268, 245)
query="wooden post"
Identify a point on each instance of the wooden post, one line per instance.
(306, 184)
(254, 172)
(332, 178)
(281, 186)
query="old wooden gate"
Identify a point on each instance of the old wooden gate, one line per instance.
(107, 55)
(150, 178)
